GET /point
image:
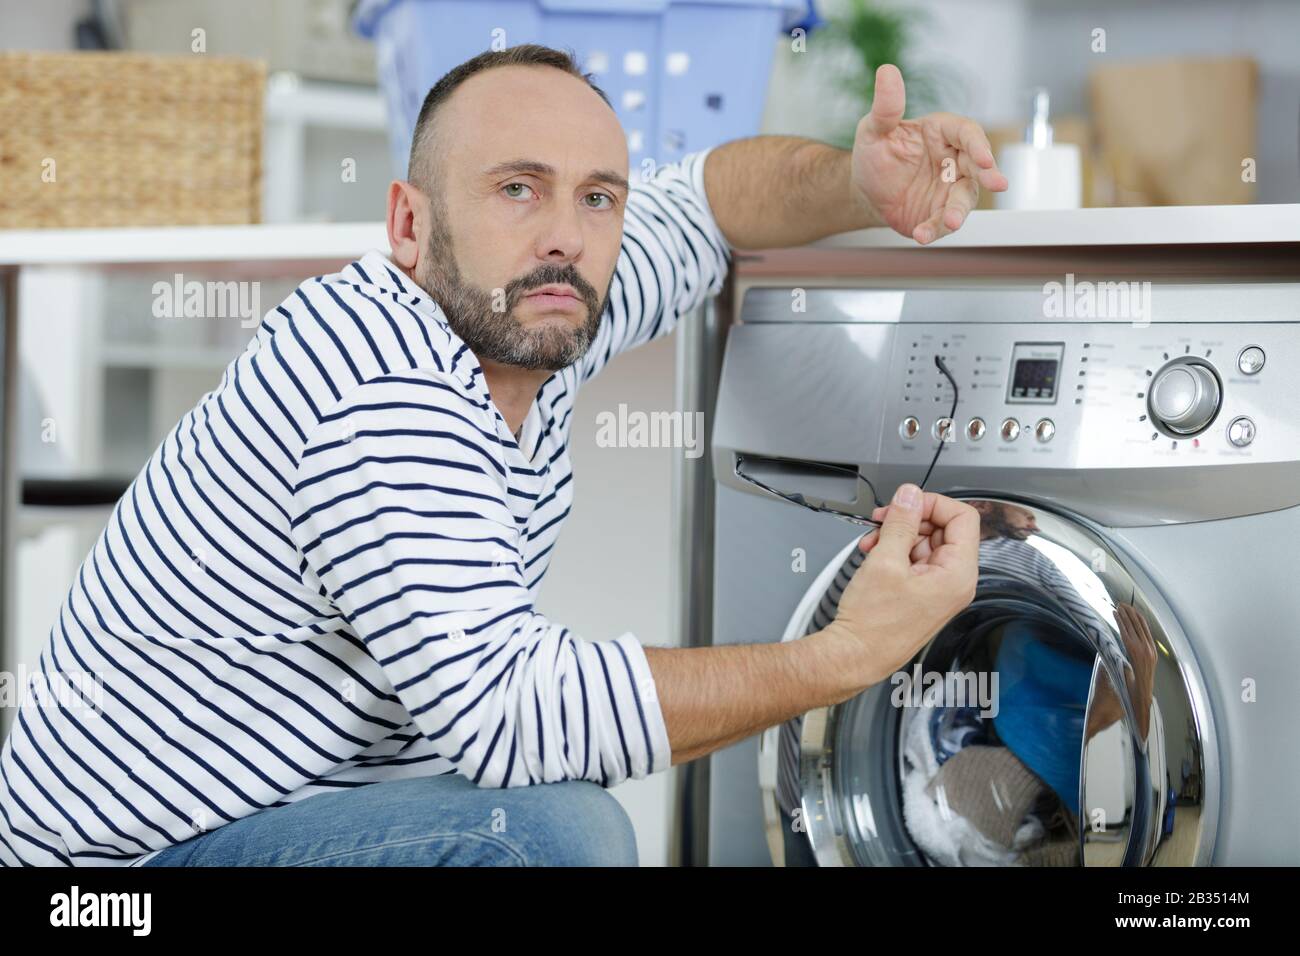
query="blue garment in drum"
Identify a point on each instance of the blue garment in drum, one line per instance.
(1043, 702)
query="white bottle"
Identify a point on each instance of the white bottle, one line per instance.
(1040, 174)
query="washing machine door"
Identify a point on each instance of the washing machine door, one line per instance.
(1058, 720)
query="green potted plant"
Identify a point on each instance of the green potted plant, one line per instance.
(866, 34)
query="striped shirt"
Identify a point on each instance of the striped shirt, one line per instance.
(325, 576)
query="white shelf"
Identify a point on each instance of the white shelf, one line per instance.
(300, 242)
(297, 242)
(1131, 226)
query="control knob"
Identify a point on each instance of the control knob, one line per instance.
(1184, 396)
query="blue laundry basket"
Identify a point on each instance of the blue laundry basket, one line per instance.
(681, 74)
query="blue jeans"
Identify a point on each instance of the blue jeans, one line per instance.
(427, 821)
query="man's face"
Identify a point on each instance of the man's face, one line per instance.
(530, 193)
(1022, 519)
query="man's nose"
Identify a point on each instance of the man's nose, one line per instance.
(560, 235)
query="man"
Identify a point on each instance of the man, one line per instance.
(321, 585)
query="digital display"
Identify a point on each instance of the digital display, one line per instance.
(1035, 379)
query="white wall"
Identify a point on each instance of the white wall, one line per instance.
(44, 25)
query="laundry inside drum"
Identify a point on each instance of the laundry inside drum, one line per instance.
(975, 761)
(990, 744)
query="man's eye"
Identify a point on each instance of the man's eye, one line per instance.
(599, 197)
(515, 190)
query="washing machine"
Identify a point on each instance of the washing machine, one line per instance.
(1121, 689)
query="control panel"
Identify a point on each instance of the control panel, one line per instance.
(1107, 395)
(1182, 408)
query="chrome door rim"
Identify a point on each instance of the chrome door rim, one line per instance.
(1120, 580)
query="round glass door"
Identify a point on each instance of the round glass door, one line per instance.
(1058, 720)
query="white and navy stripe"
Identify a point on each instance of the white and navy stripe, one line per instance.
(325, 575)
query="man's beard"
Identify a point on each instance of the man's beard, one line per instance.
(495, 334)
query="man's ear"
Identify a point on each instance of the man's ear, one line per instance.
(408, 223)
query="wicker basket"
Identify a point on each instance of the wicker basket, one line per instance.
(125, 139)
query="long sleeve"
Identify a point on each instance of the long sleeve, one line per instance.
(673, 257)
(403, 515)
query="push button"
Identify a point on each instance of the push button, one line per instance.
(1010, 429)
(1250, 360)
(975, 429)
(1045, 429)
(908, 428)
(1241, 431)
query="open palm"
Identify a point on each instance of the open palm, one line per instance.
(921, 177)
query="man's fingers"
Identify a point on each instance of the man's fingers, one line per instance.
(961, 200)
(878, 514)
(930, 230)
(897, 535)
(961, 533)
(990, 179)
(940, 509)
(890, 101)
(966, 134)
(947, 527)
(1145, 629)
(925, 545)
(969, 137)
(1136, 632)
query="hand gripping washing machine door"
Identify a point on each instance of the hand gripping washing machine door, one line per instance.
(1058, 720)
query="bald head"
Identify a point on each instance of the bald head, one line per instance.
(434, 129)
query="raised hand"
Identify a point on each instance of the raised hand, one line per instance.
(920, 177)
